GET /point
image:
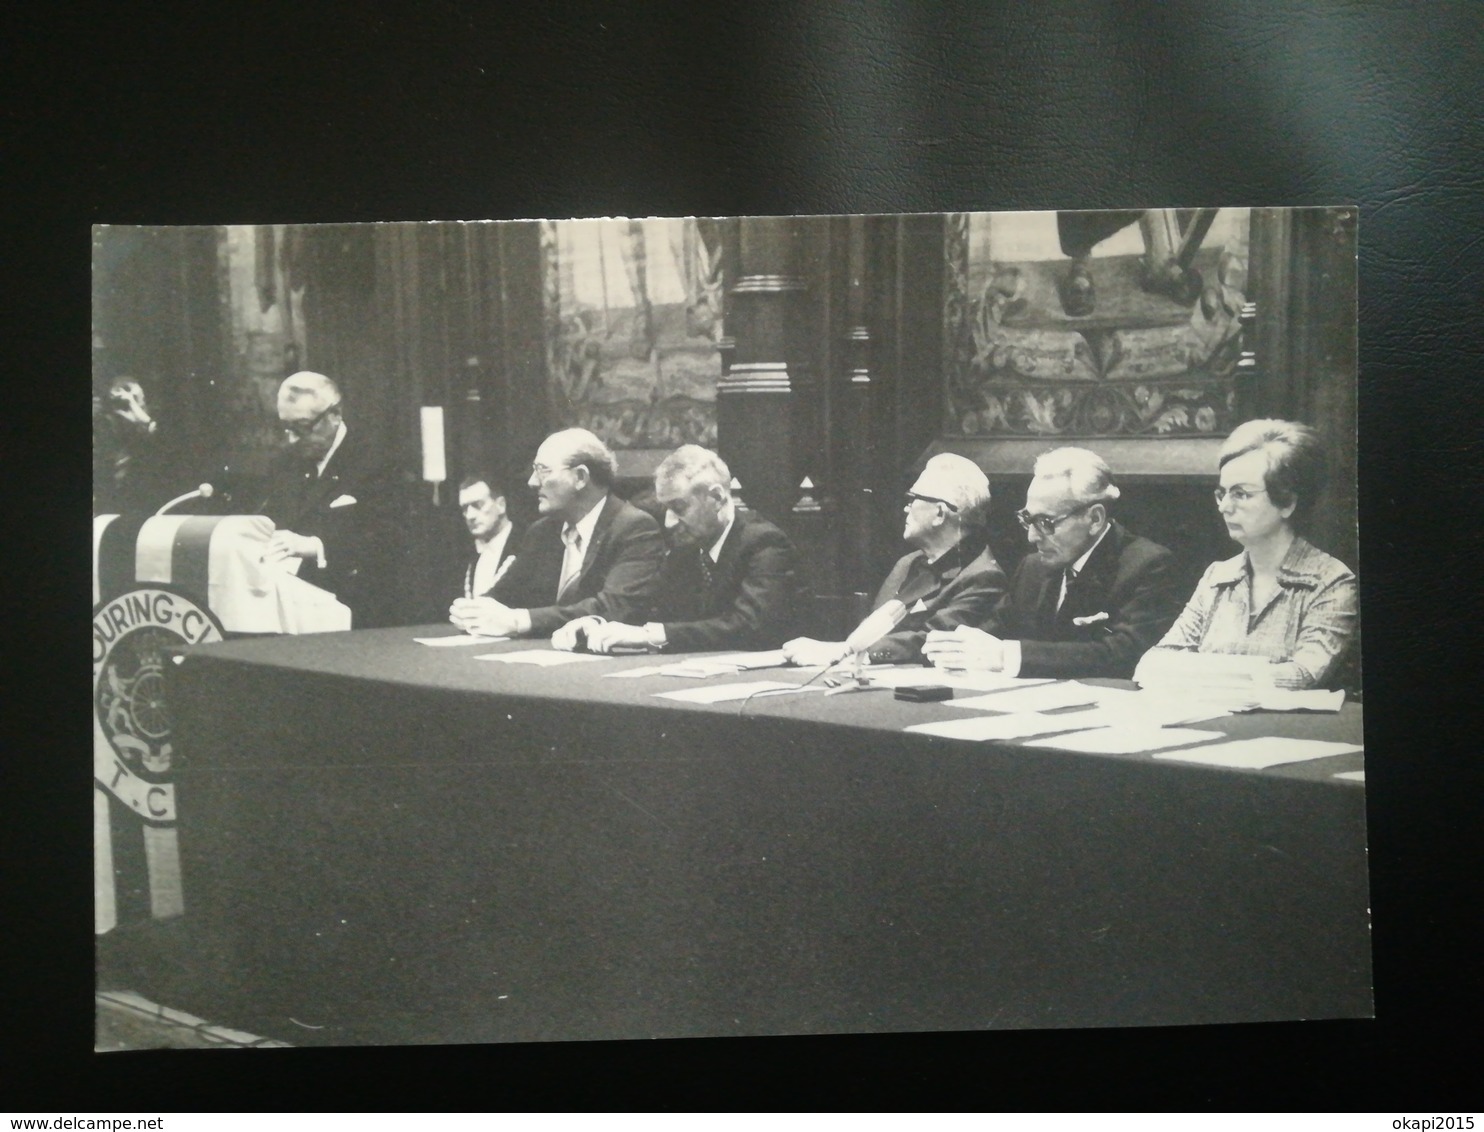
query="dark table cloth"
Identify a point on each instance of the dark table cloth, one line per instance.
(386, 843)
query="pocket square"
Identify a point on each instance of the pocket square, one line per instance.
(920, 607)
(342, 501)
(1091, 619)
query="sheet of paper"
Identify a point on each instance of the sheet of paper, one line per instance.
(1259, 754)
(1312, 699)
(916, 676)
(457, 640)
(1126, 740)
(1149, 709)
(982, 727)
(698, 669)
(1046, 697)
(633, 673)
(543, 657)
(1351, 775)
(721, 693)
(773, 658)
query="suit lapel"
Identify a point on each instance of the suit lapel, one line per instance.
(1089, 593)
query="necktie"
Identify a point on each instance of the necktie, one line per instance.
(571, 558)
(706, 569)
(1068, 580)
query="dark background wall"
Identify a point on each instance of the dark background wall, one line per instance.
(207, 114)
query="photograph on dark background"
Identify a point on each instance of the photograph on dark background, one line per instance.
(537, 630)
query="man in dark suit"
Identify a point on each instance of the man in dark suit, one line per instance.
(1088, 600)
(728, 581)
(482, 502)
(948, 579)
(589, 553)
(330, 499)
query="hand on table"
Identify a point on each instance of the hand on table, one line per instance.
(565, 638)
(964, 648)
(614, 635)
(806, 652)
(483, 616)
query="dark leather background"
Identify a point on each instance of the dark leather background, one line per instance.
(213, 113)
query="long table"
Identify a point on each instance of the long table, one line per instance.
(385, 842)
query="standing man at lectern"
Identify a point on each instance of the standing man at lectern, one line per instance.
(589, 553)
(329, 496)
(950, 578)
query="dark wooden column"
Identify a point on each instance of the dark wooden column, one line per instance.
(1304, 285)
(857, 534)
(758, 414)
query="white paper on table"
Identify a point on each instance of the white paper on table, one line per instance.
(772, 658)
(983, 727)
(1150, 709)
(1259, 754)
(916, 676)
(634, 673)
(543, 657)
(1351, 775)
(723, 692)
(457, 640)
(1310, 699)
(698, 669)
(1127, 740)
(1047, 697)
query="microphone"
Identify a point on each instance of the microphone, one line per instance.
(205, 491)
(880, 622)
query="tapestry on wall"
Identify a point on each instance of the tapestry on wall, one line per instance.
(633, 318)
(1094, 324)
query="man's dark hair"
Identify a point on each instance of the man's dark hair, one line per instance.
(482, 475)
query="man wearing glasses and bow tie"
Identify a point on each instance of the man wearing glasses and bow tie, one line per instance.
(329, 498)
(590, 553)
(728, 582)
(1088, 599)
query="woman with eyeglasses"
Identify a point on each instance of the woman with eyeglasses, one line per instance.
(1282, 597)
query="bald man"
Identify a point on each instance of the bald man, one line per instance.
(590, 553)
(330, 499)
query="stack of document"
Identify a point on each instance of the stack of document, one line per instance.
(1234, 683)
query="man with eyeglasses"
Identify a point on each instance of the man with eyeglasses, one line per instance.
(949, 578)
(590, 553)
(328, 497)
(1088, 599)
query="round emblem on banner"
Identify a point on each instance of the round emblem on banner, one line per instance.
(132, 636)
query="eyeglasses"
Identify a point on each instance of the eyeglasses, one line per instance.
(300, 430)
(1047, 524)
(1238, 493)
(541, 471)
(912, 496)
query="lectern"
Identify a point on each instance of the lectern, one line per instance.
(160, 582)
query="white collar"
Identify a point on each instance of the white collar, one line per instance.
(319, 469)
(584, 526)
(730, 510)
(498, 539)
(1077, 566)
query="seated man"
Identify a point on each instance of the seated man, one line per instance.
(482, 502)
(1087, 601)
(589, 553)
(728, 581)
(949, 579)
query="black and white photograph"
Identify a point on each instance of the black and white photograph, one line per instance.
(563, 630)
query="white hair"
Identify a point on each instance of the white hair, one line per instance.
(1088, 477)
